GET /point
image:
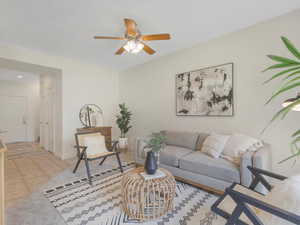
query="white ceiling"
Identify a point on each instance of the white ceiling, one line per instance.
(12, 75)
(66, 27)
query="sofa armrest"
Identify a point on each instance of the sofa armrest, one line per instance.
(263, 158)
(246, 175)
(139, 154)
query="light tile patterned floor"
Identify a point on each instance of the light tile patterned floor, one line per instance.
(30, 171)
(27, 167)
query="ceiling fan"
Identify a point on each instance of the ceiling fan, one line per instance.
(135, 41)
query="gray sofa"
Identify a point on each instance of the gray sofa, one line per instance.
(183, 157)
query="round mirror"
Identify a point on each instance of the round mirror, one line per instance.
(91, 115)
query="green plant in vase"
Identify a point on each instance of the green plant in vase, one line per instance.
(123, 122)
(156, 143)
(290, 75)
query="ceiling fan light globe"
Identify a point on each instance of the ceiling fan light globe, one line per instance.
(130, 45)
(290, 101)
(133, 46)
(138, 48)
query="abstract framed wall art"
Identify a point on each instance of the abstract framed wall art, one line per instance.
(205, 92)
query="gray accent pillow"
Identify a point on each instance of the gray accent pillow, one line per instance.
(181, 138)
(200, 141)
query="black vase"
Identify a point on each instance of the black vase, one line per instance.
(150, 163)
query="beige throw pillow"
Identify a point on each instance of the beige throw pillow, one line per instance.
(214, 144)
(200, 141)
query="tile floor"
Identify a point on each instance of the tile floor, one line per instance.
(30, 171)
(27, 167)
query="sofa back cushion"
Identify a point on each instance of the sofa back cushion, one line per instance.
(181, 138)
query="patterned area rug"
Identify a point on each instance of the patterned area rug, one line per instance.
(100, 204)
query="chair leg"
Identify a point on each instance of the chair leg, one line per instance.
(88, 170)
(235, 215)
(102, 161)
(77, 164)
(119, 161)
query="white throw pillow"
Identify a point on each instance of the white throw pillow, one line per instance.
(237, 145)
(95, 144)
(214, 144)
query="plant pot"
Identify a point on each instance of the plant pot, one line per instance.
(150, 163)
(123, 143)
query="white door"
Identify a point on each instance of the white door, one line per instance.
(46, 129)
(13, 126)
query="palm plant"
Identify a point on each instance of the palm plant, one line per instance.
(290, 74)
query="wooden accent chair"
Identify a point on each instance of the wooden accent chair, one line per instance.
(91, 146)
(240, 205)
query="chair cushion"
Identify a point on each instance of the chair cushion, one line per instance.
(181, 139)
(103, 154)
(284, 202)
(170, 155)
(95, 143)
(201, 163)
(286, 196)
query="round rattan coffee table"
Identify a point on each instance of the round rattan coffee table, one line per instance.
(147, 199)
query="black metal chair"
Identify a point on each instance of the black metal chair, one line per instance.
(83, 152)
(246, 202)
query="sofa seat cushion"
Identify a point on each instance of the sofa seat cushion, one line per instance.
(198, 162)
(171, 154)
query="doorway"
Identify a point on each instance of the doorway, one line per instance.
(13, 123)
(19, 100)
(35, 119)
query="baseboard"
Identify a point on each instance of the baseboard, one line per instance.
(204, 187)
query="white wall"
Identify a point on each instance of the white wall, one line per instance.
(81, 83)
(30, 90)
(149, 89)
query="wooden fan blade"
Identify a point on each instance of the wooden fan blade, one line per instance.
(130, 27)
(120, 51)
(148, 49)
(107, 37)
(155, 37)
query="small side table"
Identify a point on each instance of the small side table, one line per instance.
(147, 199)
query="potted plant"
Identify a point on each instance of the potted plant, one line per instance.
(155, 144)
(123, 121)
(290, 75)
